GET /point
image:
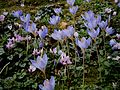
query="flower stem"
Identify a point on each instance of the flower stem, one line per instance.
(98, 62)
(104, 45)
(83, 68)
(27, 47)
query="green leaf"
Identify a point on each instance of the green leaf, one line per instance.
(106, 63)
(1, 51)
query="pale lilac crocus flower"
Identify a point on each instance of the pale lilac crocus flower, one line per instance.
(94, 33)
(31, 68)
(48, 84)
(109, 30)
(65, 60)
(84, 43)
(71, 2)
(73, 9)
(57, 10)
(40, 63)
(54, 20)
(43, 31)
(118, 36)
(57, 35)
(26, 18)
(69, 31)
(103, 24)
(112, 42)
(17, 13)
(2, 17)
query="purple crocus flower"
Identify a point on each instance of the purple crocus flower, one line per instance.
(25, 19)
(112, 42)
(17, 13)
(73, 9)
(57, 10)
(57, 35)
(54, 20)
(43, 32)
(69, 31)
(118, 36)
(40, 63)
(30, 27)
(2, 17)
(65, 60)
(89, 16)
(84, 43)
(103, 24)
(116, 46)
(94, 33)
(48, 84)
(110, 30)
(91, 20)
(71, 2)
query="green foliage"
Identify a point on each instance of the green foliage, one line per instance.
(103, 74)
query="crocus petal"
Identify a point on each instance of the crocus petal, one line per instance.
(109, 30)
(71, 2)
(112, 42)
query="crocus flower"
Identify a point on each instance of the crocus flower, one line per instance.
(31, 68)
(57, 35)
(54, 20)
(10, 43)
(31, 28)
(43, 32)
(119, 4)
(57, 10)
(65, 60)
(54, 50)
(110, 30)
(116, 46)
(89, 16)
(112, 42)
(114, 13)
(5, 13)
(18, 38)
(73, 9)
(48, 84)
(76, 34)
(69, 31)
(84, 43)
(22, 5)
(71, 2)
(36, 52)
(91, 20)
(25, 19)
(103, 24)
(2, 17)
(17, 13)
(40, 63)
(108, 10)
(93, 33)
(118, 36)
(115, 1)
